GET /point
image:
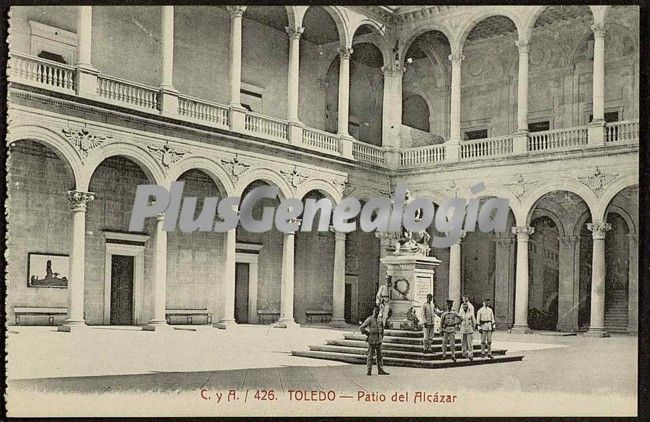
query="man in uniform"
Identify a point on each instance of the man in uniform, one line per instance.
(375, 331)
(450, 320)
(470, 307)
(429, 312)
(467, 324)
(382, 299)
(486, 324)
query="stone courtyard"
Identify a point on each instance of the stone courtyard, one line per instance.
(189, 371)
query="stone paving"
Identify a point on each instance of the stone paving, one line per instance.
(125, 371)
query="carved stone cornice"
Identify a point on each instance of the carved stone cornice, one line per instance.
(79, 200)
(236, 11)
(598, 230)
(294, 32)
(83, 140)
(523, 233)
(598, 181)
(166, 154)
(235, 167)
(294, 177)
(345, 52)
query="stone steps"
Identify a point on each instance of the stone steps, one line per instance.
(414, 363)
(436, 355)
(401, 348)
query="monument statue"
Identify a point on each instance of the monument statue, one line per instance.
(408, 241)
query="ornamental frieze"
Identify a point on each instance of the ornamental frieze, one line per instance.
(235, 167)
(520, 186)
(83, 140)
(294, 177)
(166, 154)
(598, 181)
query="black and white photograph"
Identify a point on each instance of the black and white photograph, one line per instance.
(323, 210)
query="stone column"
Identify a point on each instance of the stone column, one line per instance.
(392, 104)
(452, 151)
(86, 74)
(567, 318)
(75, 320)
(521, 281)
(596, 130)
(295, 127)
(503, 282)
(159, 284)
(522, 87)
(338, 288)
(168, 95)
(597, 320)
(633, 284)
(344, 90)
(286, 288)
(228, 320)
(455, 271)
(237, 112)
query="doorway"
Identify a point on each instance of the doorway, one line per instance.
(122, 271)
(242, 274)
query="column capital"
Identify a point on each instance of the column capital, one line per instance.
(599, 30)
(523, 46)
(294, 32)
(236, 11)
(393, 69)
(523, 232)
(160, 217)
(345, 52)
(79, 199)
(568, 241)
(598, 230)
(456, 58)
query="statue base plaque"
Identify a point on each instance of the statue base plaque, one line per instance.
(412, 279)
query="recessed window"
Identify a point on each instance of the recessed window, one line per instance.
(539, 126)
(476, 134)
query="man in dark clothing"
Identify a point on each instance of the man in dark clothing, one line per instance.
(449, 322)
(373, 328)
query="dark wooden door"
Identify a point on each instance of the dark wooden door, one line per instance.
(122, 289)
(241, 292)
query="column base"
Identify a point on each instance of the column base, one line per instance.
(596, 332)
(157, 325)
(73, 327)
(286, 323)
(338, 323)
(520, 329)
(225, 324)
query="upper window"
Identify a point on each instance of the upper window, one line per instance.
(476, 134)
(539, 126)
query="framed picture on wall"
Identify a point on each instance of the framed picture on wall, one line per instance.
(47, 270)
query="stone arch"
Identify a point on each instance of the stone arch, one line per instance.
(485, 14)
(341, 22)
(147, 163)
(323, 186)
(414, 34)
(600, 210)
(294, 16)
(376, 26)
(206, 165)
(59, 145)
(377, 40)
(581, 191)
(631, 227)
(542, 212)
(267, 175)
(532, 19)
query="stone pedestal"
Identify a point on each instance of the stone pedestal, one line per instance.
(412, 279)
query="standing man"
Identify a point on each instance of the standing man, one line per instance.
(382, 300)
(450, 320)
(467, 324)
(375, 331)
(486, 324)
(429, 316)
(470, 307)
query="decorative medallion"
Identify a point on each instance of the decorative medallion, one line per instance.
(166, 154)
(520, 187)
(598, 180)
(402, 286)
(83, 140)
(235, 167)
(294, 177)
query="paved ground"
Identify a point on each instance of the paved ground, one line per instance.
(121, 370)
